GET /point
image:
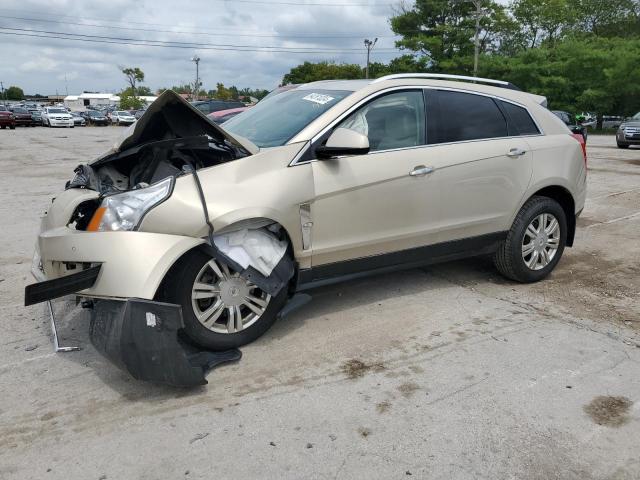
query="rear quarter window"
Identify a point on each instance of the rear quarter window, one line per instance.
(520, 119)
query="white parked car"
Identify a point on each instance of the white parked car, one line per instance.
(122, 117)
(56, 117)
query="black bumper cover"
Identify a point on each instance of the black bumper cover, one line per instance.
(142, 338)
(59, 287)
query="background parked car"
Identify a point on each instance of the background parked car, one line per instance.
(6, 118)
(122, 117)
(612, 121)
(57, 117)
(36, 116)
(568, 120)
(222, 116)
(23, 117)
(95, 117)
(210, 106)
(78, 120)
(628, 132)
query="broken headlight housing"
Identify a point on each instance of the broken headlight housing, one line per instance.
(125, 211)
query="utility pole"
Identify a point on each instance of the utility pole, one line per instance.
(196, 60)
(4, 100)
(479, 14)
(369, 46)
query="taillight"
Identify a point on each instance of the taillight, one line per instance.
(583, 144)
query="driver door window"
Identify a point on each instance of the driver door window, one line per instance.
(390, 122)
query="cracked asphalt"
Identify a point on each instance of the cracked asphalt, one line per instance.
(447, 372)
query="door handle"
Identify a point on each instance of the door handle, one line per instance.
(420, 171)
(516, 152)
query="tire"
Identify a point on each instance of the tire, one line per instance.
(620, 145)
(12, 127)
(3, 127)
(178, 288)
(510, 260)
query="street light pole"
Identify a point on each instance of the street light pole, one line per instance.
(369, 46)
(196, 59)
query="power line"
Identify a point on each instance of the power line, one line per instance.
(192, 45)
(182, 32)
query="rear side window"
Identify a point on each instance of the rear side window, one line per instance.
(457, 117)
(520, 119)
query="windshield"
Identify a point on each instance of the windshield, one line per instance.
(636, 116)
(19, 110)
(93, 113)
(122, 113)
(274, 121)
(57, 110)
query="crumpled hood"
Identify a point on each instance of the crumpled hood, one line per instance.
(169, 117)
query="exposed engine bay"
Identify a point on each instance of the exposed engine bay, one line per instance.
(172, 138)
(171, 134)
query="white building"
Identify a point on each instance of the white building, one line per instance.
(81, 102)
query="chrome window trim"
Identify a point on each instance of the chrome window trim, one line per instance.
(378, 93)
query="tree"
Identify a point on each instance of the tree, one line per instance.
(133, 76)
(222, 93)
(130, 102)
(144, 91)
(14, 93)
(542, 21)
(311, 72)
(609, 18)
(443, 31)
(592, 74)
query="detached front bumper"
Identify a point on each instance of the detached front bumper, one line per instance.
(143, 339)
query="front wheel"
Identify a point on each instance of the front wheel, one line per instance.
(621, 145)
(221, 310)
(535, 242)
(12, 127)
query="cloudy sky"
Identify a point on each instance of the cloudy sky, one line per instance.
(235, 39)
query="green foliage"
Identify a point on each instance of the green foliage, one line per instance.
(144, 91)
(223, 93)
(311, 72)
(600, 75)
(130, 102)
(14, 93)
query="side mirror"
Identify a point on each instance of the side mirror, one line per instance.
(344, 141)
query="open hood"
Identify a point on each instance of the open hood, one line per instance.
(172, 117)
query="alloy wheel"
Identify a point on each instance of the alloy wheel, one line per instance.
(541, 241)
(223, 301)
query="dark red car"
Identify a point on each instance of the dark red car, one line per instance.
(23, 117)
(6, 118)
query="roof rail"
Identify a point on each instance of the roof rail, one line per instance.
(446, 76)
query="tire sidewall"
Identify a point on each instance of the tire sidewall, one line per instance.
(519, 266)
(179, 291)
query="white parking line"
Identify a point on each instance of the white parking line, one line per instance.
(626, 217)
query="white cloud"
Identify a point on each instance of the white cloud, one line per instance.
(94, 66)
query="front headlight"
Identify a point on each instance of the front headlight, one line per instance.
(124, 211)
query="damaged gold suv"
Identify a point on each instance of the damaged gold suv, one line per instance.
(218, 227)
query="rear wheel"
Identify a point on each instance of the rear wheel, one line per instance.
(535, 242)
(621, 145)
(12, 127)
(221, 310)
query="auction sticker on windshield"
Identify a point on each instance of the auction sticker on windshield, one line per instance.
(318, 98)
